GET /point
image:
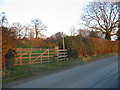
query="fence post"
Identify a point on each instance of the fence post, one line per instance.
(48, 55)
(21, 57)
(30, 56)
(56, 52)
(41, 55)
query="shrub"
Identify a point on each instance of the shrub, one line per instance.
(79, 46)
(8, 41)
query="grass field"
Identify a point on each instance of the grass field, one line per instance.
(23, 71)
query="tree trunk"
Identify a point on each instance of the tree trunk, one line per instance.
(107, 36)
(36, 34)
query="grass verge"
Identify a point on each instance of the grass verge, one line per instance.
(29, 70)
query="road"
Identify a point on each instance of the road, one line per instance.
(102, 73)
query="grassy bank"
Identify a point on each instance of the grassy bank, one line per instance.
(30, 70)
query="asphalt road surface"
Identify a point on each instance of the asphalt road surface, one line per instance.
(102, 73)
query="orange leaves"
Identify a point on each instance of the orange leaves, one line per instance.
(104, 46)
(36, 42)
(90, 46)
(8, 41)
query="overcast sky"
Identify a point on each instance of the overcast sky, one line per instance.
(58, 15)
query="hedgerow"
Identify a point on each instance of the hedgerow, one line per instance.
(79, 46)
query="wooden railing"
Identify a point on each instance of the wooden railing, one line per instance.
(27, 56)
(62, 54)
(32, 55)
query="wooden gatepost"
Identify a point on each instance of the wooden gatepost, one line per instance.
(56, 52)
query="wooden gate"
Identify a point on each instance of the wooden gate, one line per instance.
(33, 55)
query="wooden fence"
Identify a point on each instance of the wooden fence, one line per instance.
(27, 56)
(33, 55)
(61, 54)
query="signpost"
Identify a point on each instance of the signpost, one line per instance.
(63, 42)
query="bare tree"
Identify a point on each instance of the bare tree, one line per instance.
(38, 27)
(118, 36)
(102, 16)
(3, 19)
(31, 35)
(25, 31)
(18, 28)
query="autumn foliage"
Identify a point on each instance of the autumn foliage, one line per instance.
(104, 46)
(8, 41)
(36, 42)
(79, 46)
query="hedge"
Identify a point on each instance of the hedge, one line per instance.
(79, 46)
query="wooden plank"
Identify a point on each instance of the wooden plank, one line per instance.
(31, 60)
(33, 49)
(47, 49)
(21, 49)
(19, 54)
(16, 59)
(63, 56)
(22, 61)
(26, 53)
(22, 54)
(27, 57)
(62, 50)
(22, 57)
(41, 53)
(45, 56)
(63, 53)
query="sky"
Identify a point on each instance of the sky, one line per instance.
(58, 15)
